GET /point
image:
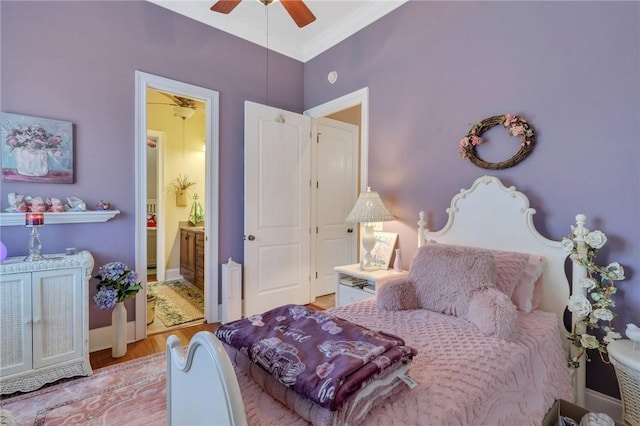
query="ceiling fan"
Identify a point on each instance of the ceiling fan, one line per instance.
(183, 107)
(298, 11)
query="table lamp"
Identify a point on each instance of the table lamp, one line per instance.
(368, 210)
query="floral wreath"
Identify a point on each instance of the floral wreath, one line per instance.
(517, 126)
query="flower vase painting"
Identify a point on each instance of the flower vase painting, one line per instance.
(36, 149)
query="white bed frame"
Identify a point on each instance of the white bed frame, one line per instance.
(490, 215)
(487, 215)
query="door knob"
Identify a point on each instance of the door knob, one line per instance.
(251, 237)
(350, 230)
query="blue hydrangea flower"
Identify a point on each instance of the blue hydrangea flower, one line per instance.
(117, 283)
(106, 298)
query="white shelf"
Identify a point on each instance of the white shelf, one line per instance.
(51, 218)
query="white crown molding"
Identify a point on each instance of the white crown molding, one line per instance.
(249, 25)
(348, 26)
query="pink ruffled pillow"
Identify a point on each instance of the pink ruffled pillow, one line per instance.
(519, 276)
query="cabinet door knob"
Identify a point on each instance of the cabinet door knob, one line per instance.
(350, 230)
(251, 237)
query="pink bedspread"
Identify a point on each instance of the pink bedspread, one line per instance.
(464, 378)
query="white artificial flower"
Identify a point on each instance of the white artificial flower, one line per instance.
(611, 336)
(595, 239)
(615, 271)
(579, 305)
(603, 314)
(588, 341)
(574, 257)
(588, 283)
(567, 244)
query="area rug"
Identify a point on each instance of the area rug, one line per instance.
(177, 302)
(131, 393)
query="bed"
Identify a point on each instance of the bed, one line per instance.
(461, 375)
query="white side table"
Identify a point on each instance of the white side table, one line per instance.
(348, 294)
(626, 362)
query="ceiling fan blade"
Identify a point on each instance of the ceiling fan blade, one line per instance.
(170, 96)
(225, 6)
(299, 12)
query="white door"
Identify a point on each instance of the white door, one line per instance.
(277, 190)
(336, 160)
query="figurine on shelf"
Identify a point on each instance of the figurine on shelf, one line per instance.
(76, 204)
(38, 205)
(103, 205)
(17, 203)
(55, 205)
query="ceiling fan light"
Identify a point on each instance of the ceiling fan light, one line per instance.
(183, 112)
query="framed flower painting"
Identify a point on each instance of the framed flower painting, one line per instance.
(36, 149)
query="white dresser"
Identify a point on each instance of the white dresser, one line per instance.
(44, 324)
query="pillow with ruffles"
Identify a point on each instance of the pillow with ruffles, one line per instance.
(519, 276)
(454, 280)
(446, 276)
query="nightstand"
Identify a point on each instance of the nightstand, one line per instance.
(353, 284)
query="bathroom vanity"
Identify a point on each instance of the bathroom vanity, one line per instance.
(192, 255)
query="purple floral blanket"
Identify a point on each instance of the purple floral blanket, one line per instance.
(321, 357)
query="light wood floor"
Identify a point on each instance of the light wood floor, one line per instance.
(157, 342)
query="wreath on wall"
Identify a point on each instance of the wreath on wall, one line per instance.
(517, 126)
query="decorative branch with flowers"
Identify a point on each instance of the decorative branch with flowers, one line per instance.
(517, 126)
(592, 329)
(117, 283)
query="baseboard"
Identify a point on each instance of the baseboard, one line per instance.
(100, 338)
(600, 403)
(172, 274)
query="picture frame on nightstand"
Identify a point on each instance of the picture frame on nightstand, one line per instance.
(383, 250)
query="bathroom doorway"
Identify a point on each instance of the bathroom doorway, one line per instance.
(176, 191)
(178, 122)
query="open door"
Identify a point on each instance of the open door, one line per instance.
(277, 191)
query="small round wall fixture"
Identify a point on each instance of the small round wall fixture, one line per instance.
(517, 126)
(332, 77)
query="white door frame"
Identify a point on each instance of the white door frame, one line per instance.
(359, 97)
(212, 113)
(160, 214)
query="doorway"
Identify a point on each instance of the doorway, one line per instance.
(352, 109)
(206, 147)
(175, 141)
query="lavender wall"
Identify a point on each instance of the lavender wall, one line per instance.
(75, 61)
(571, 68)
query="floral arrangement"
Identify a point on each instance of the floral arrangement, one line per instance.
(34, 138)
(517, 126)
(117, 283)
(598, 306)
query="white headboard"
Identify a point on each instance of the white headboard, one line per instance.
(490, 215)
